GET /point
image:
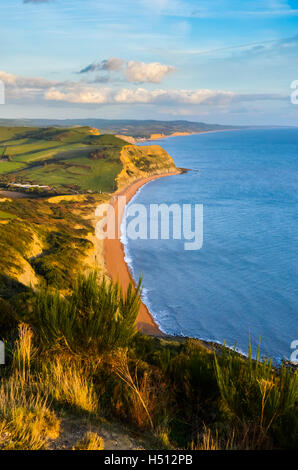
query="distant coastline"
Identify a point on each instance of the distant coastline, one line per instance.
(156, 136)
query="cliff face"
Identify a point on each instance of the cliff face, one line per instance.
(141, 162)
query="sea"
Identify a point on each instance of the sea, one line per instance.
(242, 282)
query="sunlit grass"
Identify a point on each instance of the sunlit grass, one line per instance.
(91, 441)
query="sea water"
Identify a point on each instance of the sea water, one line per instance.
(244, 278)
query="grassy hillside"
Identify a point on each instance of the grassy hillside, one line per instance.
(67, 160)
(139, 162)
(60, 158)
(45, 241)
(75, 365)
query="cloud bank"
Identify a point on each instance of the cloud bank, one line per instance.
(39, 90)
(92, 95)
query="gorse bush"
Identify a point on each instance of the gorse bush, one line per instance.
(254, 394)
(81, 354)
(95, 319)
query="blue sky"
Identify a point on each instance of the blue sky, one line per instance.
(219, 61)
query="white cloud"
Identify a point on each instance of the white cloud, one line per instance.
(133, 71)
(93, 95)
(24, 82)
(18, 87)
(80, 94)
(8, 78)
(86, 94)
(142, 72)
(34, 89)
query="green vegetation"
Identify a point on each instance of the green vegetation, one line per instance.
(60, 158)
(94, 320)
(69, 160)
(263, 401)
(81, 354)
(72, 348)
(6, 215)
(46, 238)
(140, 162)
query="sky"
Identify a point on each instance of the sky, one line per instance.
(218, 61)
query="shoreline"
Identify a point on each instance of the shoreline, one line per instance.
(114, 254)
(156, 136)
(118, 270)
(185, 134)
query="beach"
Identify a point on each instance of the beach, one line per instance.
(114, 254)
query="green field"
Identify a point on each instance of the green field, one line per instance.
(6, 216)
(60, 158)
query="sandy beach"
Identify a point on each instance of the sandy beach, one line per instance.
(116, 266)
(183, 134)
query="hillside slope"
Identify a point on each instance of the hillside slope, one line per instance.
(140, 162)
(48, 238)
(72, 160)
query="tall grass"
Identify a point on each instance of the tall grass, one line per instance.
(141, 396)
(211, 441)
(253, 394)
(26, 422)
(23, 353)
(68, 384)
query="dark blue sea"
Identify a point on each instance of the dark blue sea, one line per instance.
(244, 278)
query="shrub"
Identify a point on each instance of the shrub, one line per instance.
(254, 394)
(97, 318)
(8, 322)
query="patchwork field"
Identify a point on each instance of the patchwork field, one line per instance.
(51, 180)
(66, 159)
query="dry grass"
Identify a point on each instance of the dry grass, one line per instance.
(243, 437)
(91, 441)
(23, 353)
(208, 441)
(141, 395)
(67, 383)
(26, 422)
